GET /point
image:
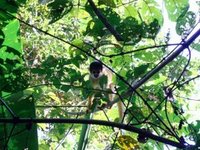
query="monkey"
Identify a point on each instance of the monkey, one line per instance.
(97, 73)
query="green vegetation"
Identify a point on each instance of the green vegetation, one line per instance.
(46, 47)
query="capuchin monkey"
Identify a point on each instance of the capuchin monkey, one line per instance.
(97, 73)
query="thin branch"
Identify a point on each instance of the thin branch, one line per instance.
(169, 93)
(71, 85)
(61, 142)
(184, 69)
(7, 107)
(136, 50)
(105, 21)
(59, 106)
(10, 135)
(121, 119)
(14, 134)
(157, 126)
(190, 99)
(186, 82)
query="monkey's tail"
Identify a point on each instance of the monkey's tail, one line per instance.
(121, 110)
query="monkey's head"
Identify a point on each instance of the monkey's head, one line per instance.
(96, 69)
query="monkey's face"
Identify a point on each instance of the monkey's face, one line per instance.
(96, 73)
(96, 69)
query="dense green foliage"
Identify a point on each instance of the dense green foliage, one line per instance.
(13, 81)
(48, 76)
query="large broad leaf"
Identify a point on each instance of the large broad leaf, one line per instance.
(131, 11)
(149, 11)
(175, 8)
(10, 58)
(11, 32)
(186, 22)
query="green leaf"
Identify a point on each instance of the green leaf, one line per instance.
(126, 142)
(59, 8)
(130, 29)
(175, 8)
(131, 11)
(149, 11)
(38, 71)
(65, 88)
(186, 22)
(50, 62)
(196, 46)
(139, 71)
(13, 51)
(8, 6)
(78, 42)
(11, 32)
(110, 3)
(4, 17)
(151, 30)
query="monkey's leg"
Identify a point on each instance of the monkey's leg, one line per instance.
(90, 102)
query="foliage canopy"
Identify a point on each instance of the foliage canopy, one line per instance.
(47, 45)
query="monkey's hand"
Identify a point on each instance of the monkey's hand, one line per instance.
(88, 111)
(105, 105)
(102, 106)
(109, 105)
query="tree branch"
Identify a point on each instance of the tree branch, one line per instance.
(96, 122)
(105, 21)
